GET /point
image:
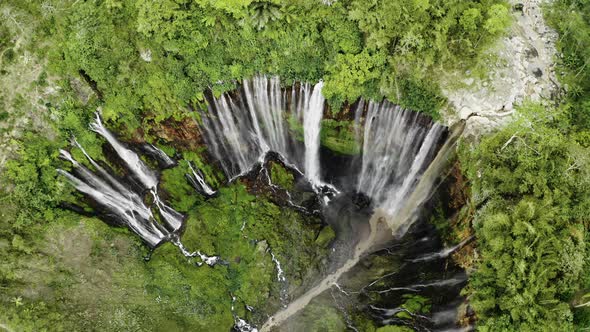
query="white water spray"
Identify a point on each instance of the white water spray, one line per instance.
(240, 128)
(396, 150)
(122, 204)
(383, 224)
(146, 176)
(126, 206)
(198, 181)
(312, 118)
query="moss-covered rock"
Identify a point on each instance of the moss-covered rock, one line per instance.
(326, 236)
(339, 136)
(281, 177)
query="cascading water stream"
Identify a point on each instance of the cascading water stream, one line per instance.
(160, 156)
(396, 149)
(125, 206)
(197, 180)
(145, 175)
(399, 171)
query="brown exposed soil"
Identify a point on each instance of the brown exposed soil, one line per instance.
(459, 193)
(184, 135)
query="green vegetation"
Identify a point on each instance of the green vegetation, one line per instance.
(531, 182)
(339, 136)
(415, 304)
(148, 61)
(319, 317)
(281, 177)
(325, 236)
(64, 272)
(571, 18)
(394, 328)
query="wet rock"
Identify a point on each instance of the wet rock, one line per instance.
(361, 200)
(301, 196)
(532, 52)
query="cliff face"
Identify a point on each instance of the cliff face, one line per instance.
(183, 134)
(520, 67)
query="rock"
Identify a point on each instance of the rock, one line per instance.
(146, 55)
(532, 52)
(261, 246)
(524, 70)
(183, 133)
(508, 106)
(302, 197)
(465, 112)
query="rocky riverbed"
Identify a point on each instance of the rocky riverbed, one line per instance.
(521, 68)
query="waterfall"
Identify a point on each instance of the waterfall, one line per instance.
(312, 118)
(401, 165)
(240, 324)
(164, 161)
(283, 293)
(240, 128)
(145, 175)
(401, 162)
(397, 148)
(197, 180)
(123, 205)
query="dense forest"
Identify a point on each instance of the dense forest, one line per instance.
(148, 66)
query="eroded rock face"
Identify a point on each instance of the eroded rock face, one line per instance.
(184, 133)
(522, 69)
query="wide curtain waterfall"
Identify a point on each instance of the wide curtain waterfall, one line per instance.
(397, 145)
(241, 127)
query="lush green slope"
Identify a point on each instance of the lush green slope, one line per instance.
(531, 184)
(381, 48)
